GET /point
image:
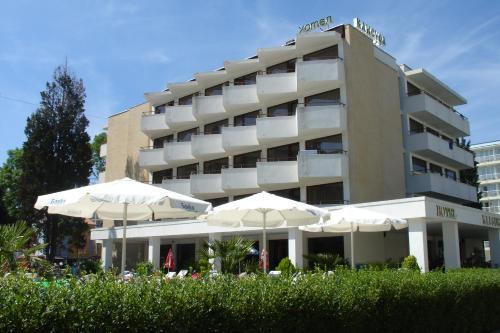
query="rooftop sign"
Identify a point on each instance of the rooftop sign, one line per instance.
(377, 38)
(324, 22)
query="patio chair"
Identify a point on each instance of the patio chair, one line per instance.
(274, 273)
(182, 274)
(242, 275)
(171, 275)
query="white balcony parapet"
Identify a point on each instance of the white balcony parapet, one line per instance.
(272, 129)
(182, 186)
(243, 97)
(102, 177)
(180, 116)
(154, 125)
(207, 108)
(103, 150)
(239, 180)
(325, 118)
(277, 174)
(441, 151)
(239, 138)
(178, 152)
(276, 88)
(152, 159)
(319, 75)
(206, 184)
(434, 182)
(314, 167)
(207, 146)
(427, 109)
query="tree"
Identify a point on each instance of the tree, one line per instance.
(230, 252)
(10, 176)
(98, 162)
(57, 155)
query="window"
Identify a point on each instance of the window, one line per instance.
(187, 100)
(242, 196)
(284, 67)
(419, 166)
(160, 109)
(289, 193)
(186, 135)
(218, 201)
(331, 97)
(433, 168)
(215, 166)
(247, 119)
(327, 145)
(185, 171)
(451, 174)
(331, 52)
(412, 89)
(416, 127)
(432, 131)
(215, 90)
(282, 110)
(160, 142)
(323, 194)
(159, 176)
(246, 79)
(283, 153)
(216, 127)
(248, 160)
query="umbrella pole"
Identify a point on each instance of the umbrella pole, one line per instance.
(124, 238)
(352, 248)
(264, 241)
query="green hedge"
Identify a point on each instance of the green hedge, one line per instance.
(397, 301)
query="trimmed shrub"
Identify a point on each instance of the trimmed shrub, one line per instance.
(286, 267)
(347, 301)
(410, 263)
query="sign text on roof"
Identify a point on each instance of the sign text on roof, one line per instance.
(324, 22)
(377, 38)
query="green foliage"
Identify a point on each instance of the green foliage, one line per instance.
(14, 241)
(90, 267)
(98, 162)
(231, 253)
(410, 263)
(286, 267)
(347, 301)
(325, 261)
(10, 175)
(56, 155)
(144, 268)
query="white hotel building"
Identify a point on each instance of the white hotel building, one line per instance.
(329, 119)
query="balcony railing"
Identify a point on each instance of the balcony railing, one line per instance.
(441, 102)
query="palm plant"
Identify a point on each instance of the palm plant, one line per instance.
(230, 252)
(14, 241)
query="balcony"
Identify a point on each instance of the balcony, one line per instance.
(239, 180)
(435, 148)
(317, 168)
(280, 174)
(315, 120)
(182, 186)
(276, 129)
(180, 116)
(435, 183)
(319, 75)
(276, 88)
(206, 184)
(208, 108)
(240, 98)
(239, 138)
(154, 125)
(207, 146)
(178, 153)
(103, 150)
(427, 109)
(152, 159)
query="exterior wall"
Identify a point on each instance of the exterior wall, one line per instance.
(125, 138)
(376, 166)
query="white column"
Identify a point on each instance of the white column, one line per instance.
(215, 262)
(296, 247)
(107, 254)
(494, 239)
(451, 246)
(417, 236)
(154, 251)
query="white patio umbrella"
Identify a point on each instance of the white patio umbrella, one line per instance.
(265, 210)
(124, 199)
(351, 219)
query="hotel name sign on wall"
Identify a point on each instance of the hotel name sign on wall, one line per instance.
(491, 221)
(445, 212)
(377, 38)
(321, 23)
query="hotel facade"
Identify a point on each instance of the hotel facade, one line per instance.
(329, 119)
(488, 168)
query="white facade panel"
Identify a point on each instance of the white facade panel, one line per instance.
(239, 180)
(152, 159)
(178, 152)
(277, 174)
(154, 125)
(206, 108)
(276, 128)
(239, 138)
(207, 146)
(206, 184)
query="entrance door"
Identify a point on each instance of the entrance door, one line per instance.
(325, 245)
(278, 249)
(185, 256)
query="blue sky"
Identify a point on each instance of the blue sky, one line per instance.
(122, 49)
